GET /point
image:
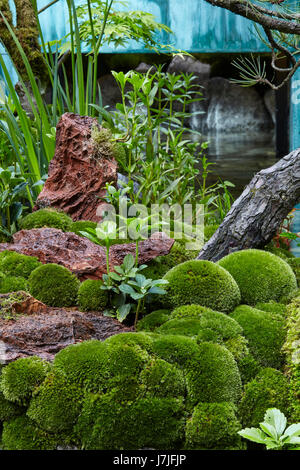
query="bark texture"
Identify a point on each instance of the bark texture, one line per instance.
(257, 214)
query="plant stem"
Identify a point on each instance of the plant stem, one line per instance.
(137, 312)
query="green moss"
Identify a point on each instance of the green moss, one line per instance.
(81, 226)
(265, 334)
(162, 379)
(20, 378)
(203, 283)
(124, 359)
(213, 426)
(295, 265)
(91, 296)
(213, 376)
(261, 276)
(46, 218)
(281, 252)
(56, 404)
(22, 434)
(13, 284)
(272, 307)
(54, 285)
(238, 346)
(153, 320)
(269, 389)
(248, 367)
(178, 350)
(16, 264)
(148, 422)
(140, 339)
(119, 153)
(209, 230)
(8, 409)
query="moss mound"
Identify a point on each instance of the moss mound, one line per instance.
(54, 285)
(22, 434)
(9, 410)
(265, 334)
(272, 307)
(20, 378)
(91, 296)
(178, 350)
(81, 226)
(213, 426)
(153, 320)
(162, 379)
(203, 283)
(269, 389)
(261, 276)
(13, 284)
(119, 153)
(46, 218)
(17, 265)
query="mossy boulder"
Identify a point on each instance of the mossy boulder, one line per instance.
(9, 410)
(91, 296)
(81, 226)
(153, 320)
(54, 285)
(269, 389)
(13, 284)
(46, 218)
(261, 276)
(17, 265)
(22, 433)
(272, 307)
(202, 283)
(213, 426)
(163, 379)
(265, 334)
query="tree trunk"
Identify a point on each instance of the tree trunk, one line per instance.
(26, 30)
(257, 214)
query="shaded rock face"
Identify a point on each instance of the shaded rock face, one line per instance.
(45, 333)
(80, 255)
(189, 65)
(228, 107)
(76, 178)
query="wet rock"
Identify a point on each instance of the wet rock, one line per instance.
(110, 92)
(84, 258)
(189, 65)
(76, 176)
(144, 68)
(45, 334)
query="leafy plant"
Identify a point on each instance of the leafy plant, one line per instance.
(273, 432)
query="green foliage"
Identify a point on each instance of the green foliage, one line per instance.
(274, 433)
(13, 284)
(269, 389)
(56, 404)
(209, 230)
(16, 264)
(54, 285)
(213, 426)
(264, 332)
(203, 283)
(20, 378)
(213, 376)
(22, 434)
(47, 218)
(153, 320)
(162, 380)
(91, 296)
(81, 226)
(261, 276)
(107, 424)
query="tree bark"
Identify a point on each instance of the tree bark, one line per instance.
(257, 214)
(26, 30)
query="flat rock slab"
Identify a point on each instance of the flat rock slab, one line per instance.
(84, 258)
(45, 334)
(77, 179)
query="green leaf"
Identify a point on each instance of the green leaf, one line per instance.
(253, 434)
(275, 418)
(123, 311)
(126, 289)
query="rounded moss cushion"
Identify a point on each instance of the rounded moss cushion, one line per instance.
(153, 320)
(54, 285)
(46, 218)
(22, 434)
(213, 426)
(261, 276)
(91, 296)
(81, 226)
(203, 283)
(16, 264)
(13, 284)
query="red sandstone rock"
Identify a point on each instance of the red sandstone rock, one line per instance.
(44, 334)
(80, 255)
(20, 302)
(76, 179)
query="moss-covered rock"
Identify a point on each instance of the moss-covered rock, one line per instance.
(248, 367)
(147, 422)
(81, 226)
(17, 265)
(261, 276)
(22, 434)
(46, 218)
(153, 320)
(13, 284)
(163, 379)
(56, 404)
(119, 153)
(178, 350)
(213, 426)
(203, 283)
(8, 409)
(91, 296)
(213, 376)
(272, 307)
(20, 378)
(269, 389)
(141, 339)
(54, 285)
(265, 334)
